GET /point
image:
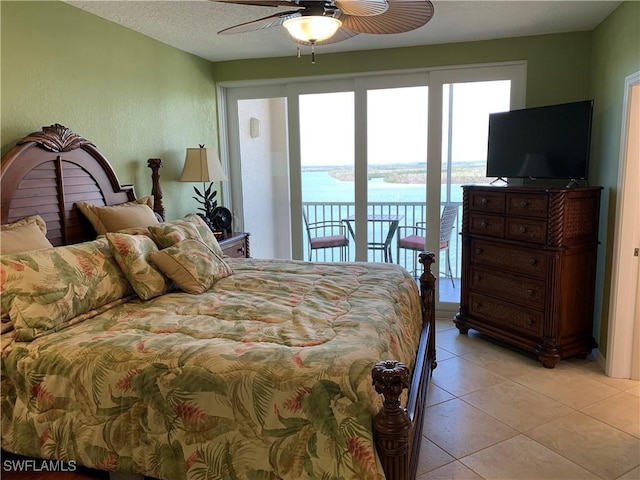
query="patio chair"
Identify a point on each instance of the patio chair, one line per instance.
(326, 234)
(415, 241)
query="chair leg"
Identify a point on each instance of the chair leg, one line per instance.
(449, 269)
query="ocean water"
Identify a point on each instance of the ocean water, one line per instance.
(319, 186)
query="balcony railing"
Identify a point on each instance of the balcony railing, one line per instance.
(411, 213)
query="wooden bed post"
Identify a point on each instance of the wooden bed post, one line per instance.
(155, 164)
(392, 425)
(397, 430)
(428, 296)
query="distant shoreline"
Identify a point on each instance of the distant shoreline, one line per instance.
(413, 173)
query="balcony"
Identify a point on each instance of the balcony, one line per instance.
(410, 213)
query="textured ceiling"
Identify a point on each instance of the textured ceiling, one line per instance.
(192, 26)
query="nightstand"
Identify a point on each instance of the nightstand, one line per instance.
(236, 245)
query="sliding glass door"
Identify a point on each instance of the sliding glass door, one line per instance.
(461, 101)
(327, 159)
(397, 126)
(465, 124)
(376, 155)
(257, 159)
(362, 158)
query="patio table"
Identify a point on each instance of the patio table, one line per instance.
(385, 246)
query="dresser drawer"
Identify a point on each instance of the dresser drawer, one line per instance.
(501, 313)
(492, 202)
(521, 260)
(490, 225)
(528, 230)
(513, 288)
(528, 205)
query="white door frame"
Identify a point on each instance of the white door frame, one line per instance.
(623, 314)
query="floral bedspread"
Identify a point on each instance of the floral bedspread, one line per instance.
(265, 376)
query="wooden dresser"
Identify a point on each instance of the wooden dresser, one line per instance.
(236, 245)
(528, 267)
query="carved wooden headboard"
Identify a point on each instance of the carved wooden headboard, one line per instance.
(48, 171)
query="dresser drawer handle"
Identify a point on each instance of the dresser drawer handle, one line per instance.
(476, 278)
(484, 201)
(524, 203)
(529, 321)
(483, 224)
(478, 251)
(522, 229)
(476, 305)
(533, 261)
(530, 292)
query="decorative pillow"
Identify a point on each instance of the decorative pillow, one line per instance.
(6, 325)
(192, 265)
(136, 231)
(205, 232)
(43, 290)
(131, 252)
(138, 213)
(24, 235)
(169, 233)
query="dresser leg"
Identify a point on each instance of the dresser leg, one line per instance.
(462, 328)
(548, 355)
(549, 362)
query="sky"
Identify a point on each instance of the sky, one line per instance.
(397, 124)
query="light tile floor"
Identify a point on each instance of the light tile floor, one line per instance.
(495, 413)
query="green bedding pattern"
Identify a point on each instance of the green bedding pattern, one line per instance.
(265, 376)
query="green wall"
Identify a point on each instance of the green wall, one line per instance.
(554, 62)
(616, 55)
(132, 96)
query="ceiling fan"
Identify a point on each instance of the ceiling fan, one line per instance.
(321, 22)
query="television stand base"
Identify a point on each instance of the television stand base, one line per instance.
(500, 179)
(575, 183)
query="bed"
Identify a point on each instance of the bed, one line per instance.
(277, 370)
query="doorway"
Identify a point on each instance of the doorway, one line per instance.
(258, 163)
(623, 348)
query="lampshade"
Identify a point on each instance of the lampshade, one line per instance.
(312, 28)
(202, 165)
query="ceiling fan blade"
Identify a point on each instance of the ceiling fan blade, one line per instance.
(261, 23)
(401, 16)
(261, 3)
(339, 36)
(362, 8)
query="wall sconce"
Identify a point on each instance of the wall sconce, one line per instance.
(254, 127)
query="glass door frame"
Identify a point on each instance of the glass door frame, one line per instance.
(359, 86)
(228, 135)
(294, 90)
(515, 72)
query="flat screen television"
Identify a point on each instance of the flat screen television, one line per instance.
(542, 142)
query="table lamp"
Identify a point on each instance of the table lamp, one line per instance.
(203, 165)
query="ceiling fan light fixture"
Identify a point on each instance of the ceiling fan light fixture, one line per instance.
(312, 28)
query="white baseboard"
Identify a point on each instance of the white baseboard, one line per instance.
(601, 361)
